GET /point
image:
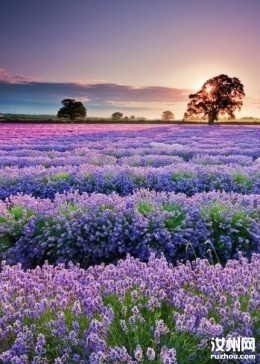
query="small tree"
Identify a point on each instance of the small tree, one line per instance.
(167, 115)
(218, 96)
(117, 115)
(72, 109)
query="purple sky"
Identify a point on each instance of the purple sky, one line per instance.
(140, 57)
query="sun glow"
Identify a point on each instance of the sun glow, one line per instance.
(208, 88)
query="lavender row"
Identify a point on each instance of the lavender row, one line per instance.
(155, 157)
(64, 138)
(90, 229)
(48, 160)
(99, 159)
(180, 178)
(130, 313)
(60, 141)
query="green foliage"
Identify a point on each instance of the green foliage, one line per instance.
(140, 327)
(54, 343)
(144, 207)
(105, 207)
(44, 180)
(45, 165)
(72, 110)
(68, 208)
(227, 221)
(241, 179)
(19, 212)
(178, 215)
(177, 176)
(138, 179)
(60, 176)
(12, 226)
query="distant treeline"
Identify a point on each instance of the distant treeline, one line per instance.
(51, 119)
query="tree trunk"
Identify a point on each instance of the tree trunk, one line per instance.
(211, 118)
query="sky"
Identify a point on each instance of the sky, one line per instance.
(139, 57)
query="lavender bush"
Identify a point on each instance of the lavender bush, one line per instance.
(130, 313)
(185, 178)
(89, 229)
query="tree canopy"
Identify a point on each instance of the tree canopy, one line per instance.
(167, 115)
(218, 96)
(117, 115)
(72, 109)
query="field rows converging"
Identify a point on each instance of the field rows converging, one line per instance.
(129, 243)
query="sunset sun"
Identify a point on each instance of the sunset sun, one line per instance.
(208, 88)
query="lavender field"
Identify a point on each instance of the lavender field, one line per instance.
(129, 243)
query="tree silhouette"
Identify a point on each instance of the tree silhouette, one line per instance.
(117, 115)
(218, 96)
(167, 115)
(72, 109)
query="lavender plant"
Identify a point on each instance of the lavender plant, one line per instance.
(185, 178)
(130, 313)
(90, 229)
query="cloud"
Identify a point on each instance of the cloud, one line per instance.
(105, 92)
(83, 99)
(6, 77)
(104, 97)
(252, 100)
(28, 91)
(125, 93)
(85, 82)
(141, 105)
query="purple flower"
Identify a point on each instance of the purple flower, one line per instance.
(150, 353)
(168, 356)
(138, 353)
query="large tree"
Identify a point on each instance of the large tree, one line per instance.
(218, 96)
(117, 115)
(167, 115)
(72, 109)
